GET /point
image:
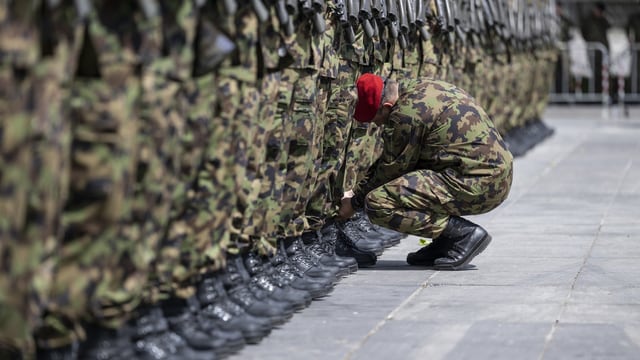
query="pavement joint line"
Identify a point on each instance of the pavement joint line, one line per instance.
(554, 327)
(390, 316)
(483, 285)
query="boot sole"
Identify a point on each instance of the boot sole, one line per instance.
(230, 348)
(465, 261)
(254, 337)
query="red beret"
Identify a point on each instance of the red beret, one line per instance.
(369, 96)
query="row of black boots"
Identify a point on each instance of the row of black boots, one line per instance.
(241, 304)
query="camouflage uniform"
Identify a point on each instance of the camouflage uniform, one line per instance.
(95, 277)
(499, 82)
(365, 143)
(441, 46)
(242, 69)
(267, 143)
(354, 61)
(299, 126)
(543, 84)
(190, 110)
(36, 46)
(274, 166)
(326, 131)
(428, 60)
(15, 118)
(442, 157)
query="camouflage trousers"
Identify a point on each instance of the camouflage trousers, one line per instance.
(265, 152)
(34, 149)
(338, 96)
(338, 128)
(197, 234)
(429, 60)
(301, 154)
(94, 257)
(421, 202)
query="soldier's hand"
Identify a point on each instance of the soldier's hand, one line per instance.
(346, 210)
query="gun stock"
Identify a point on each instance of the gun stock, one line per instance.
(378, 9)
(281, 12)
(292, 7)
(83, 8)
(365, 15)
(230, 7)
(451, 22)
(489, 12)
(402, 15)
(392, 10)
(421, 19)
(442, 18)
(150, 8)
(261, 11)
(212, 47)
(343, 18)
(319, 25)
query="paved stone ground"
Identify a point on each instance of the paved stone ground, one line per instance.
(561, 279)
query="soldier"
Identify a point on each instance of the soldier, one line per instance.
(443, 158)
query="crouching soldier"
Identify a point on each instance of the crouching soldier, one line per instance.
(443, 159)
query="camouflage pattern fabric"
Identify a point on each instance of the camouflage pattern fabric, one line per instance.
(298, 132)
(180, 135)
(499, 77)
(244, 68)
(428, 60)
(442, 157)
(354, 54)
(299, 126)
(275, 165)
(22, 255)
(159, 139)
(267, 144)
(90, 279)
(325, 135)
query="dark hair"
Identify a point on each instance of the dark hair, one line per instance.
(600, 6)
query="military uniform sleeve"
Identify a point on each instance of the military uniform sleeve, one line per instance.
(401, 152)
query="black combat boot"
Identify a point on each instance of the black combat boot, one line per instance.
(362, 222)
(428, 254)
(191, 321)
(182, 319)
(467, 241)
(298, 257)
(357, 237)
(225, 314)
(105, 343)
(260, 277)
(325, 253)
(388, 237)
(395, 236)
(254, 301)
(153, 340)
(282, 273)
(345, 247)
(233, 340)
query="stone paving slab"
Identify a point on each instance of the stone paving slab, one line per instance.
(559, 280)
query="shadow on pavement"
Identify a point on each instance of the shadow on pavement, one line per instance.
(402, 265)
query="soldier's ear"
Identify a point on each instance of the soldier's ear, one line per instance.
(388, 104)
